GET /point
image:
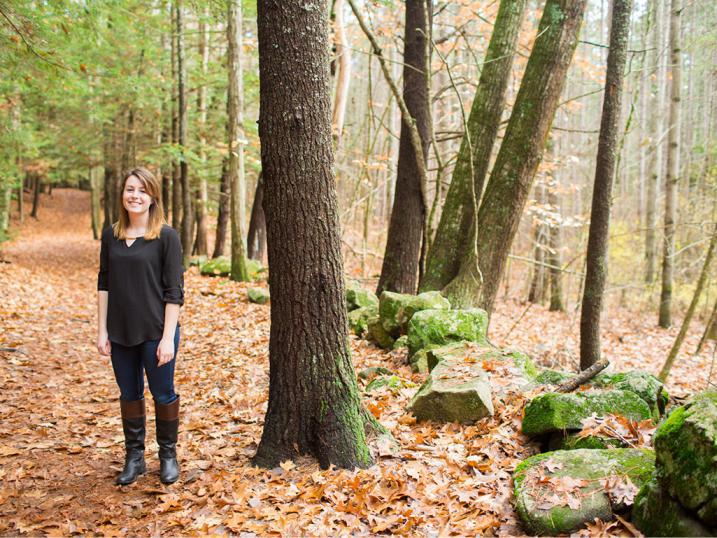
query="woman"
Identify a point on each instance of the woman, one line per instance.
(140, 289)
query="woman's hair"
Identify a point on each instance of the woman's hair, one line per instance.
(156, 212)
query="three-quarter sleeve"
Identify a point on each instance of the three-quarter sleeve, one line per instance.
(103, 274)
(172, 269)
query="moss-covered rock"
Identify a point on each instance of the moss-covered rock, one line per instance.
(377, 333)
(373, 371)
(397, 309)
(401, 342)
(571, 441)
(686, 446)
(552, 377)
(454, 392)
(655, 513)
(555, 412)
(419, 362)
(391, 382)
(359, 318)
(644, 384)
(358, 297)
(197, 260)
(258, 295)
(439, 327)
(222, 266)
(559, 492)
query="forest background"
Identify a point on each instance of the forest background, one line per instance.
(90, 89)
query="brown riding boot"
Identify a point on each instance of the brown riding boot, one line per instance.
(133, 424)
(167, 421)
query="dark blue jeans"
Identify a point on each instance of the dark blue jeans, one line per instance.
(131, 362)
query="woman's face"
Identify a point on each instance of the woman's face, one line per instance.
(135, 197)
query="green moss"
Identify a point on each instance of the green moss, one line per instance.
(566, 441)
(554, 412)
(552, 377)
(222, 266)
(655, 513)
(397, 309)
(686, 445)
(644, 384)
(358, 319)
(592, 466)
(378, 334)
(439, 327)
(358, 297)
(258, 295)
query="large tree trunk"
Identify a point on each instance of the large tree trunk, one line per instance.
(256, 236)
(314, 406)
(554, 258)
(236, 141)
(187, 213)
(597, 255)
(405, 231)
(520, 153)
(201, 246)
(673, 166)
(455, 228)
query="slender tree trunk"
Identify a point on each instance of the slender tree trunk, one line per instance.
(37, 184)
(187, 213)
(343, 79)
(710, 330)
(314, 406)
(554, 257)
(455, 228)
(520, 153)
(405, 231)
(673, 166)
(223, 211)
(236, 141)
(176, 181)
(657, 99)
(597, 255)
(95, 185)
(691, 310)
(256, 236)
(201, 247)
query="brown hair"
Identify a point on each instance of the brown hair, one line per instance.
(156, 211)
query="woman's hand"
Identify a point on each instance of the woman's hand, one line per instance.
(103, 344)
(165, 351)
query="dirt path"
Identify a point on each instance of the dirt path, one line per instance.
(61, 441)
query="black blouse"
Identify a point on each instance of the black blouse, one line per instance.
(140, 279)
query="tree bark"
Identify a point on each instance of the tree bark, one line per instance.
(236, 141)
(554, 257)
(176, 181)
(655, 148)
(94, 172)
(201, 247)
(37, 184)
(673, 166)
(223, 210)
(314, 406)
(455, 227)
(187, 212)
(691, 310)
(597, 254)
(256, 236)
(343, 78)
(406, 228)
(710, 330)
(519, 156)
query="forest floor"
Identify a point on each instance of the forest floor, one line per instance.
(61, 441)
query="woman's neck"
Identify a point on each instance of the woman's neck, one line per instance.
(138, 224)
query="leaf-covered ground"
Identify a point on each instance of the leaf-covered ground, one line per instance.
(61, 441)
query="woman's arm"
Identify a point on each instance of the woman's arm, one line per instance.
(103, 341)
(165, 350)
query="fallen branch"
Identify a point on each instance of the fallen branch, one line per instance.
(584, 376)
